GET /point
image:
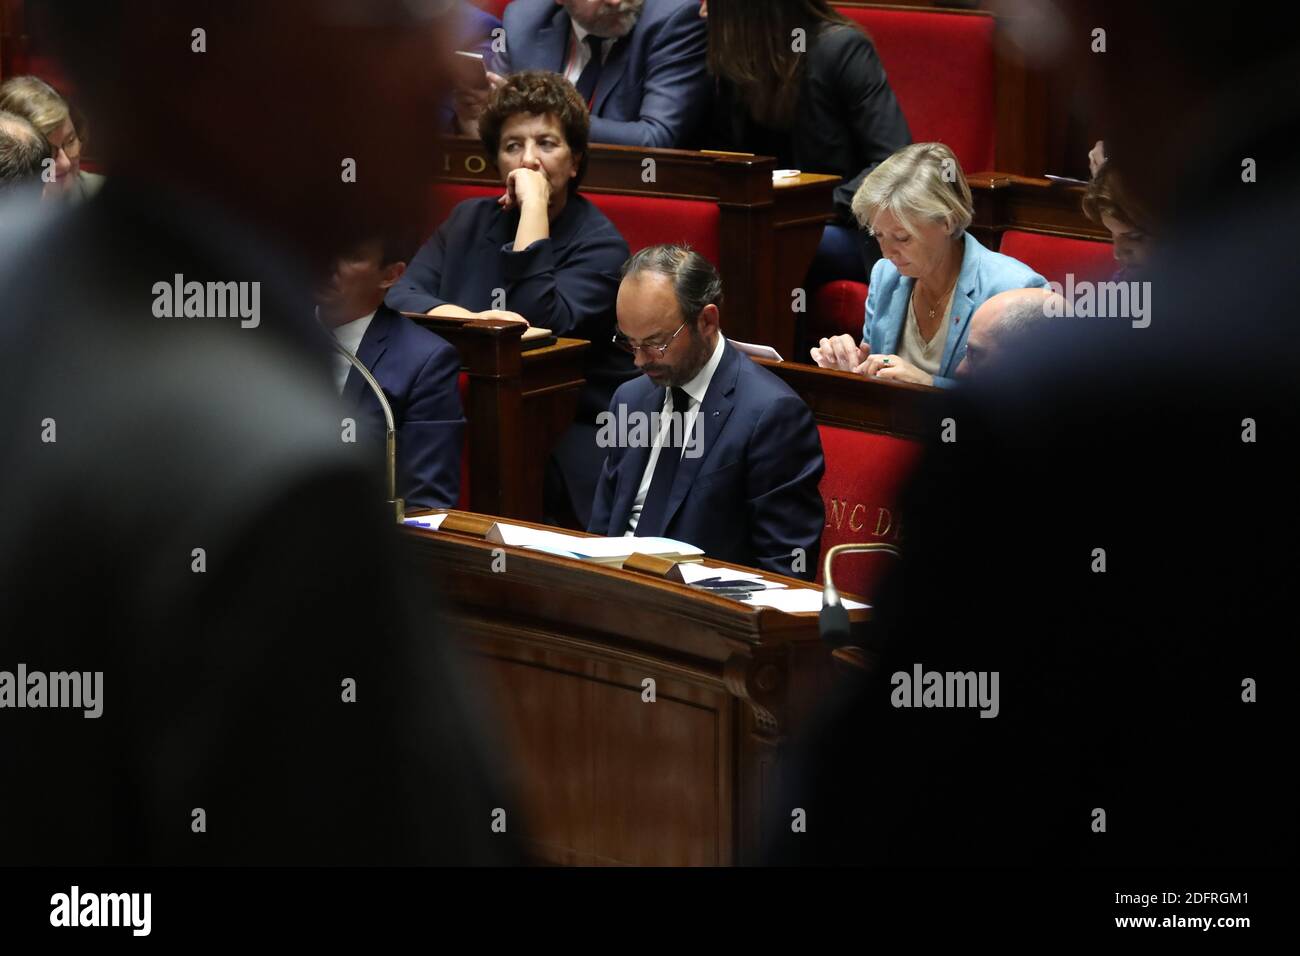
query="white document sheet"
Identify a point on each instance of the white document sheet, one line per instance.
(698, 572)
(623, 546)
(521, 537)
(796, 600)
(758, 351)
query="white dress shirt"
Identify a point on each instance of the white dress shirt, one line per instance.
(695, 389)
(580, 53)
(349, 335)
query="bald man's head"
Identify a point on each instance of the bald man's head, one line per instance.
(1000, 321)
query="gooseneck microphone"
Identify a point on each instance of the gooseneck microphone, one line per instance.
(397, 505)
(833, 622)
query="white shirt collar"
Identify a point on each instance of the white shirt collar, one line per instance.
(350, 334)
(697, 387)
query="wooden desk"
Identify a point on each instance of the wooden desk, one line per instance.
(1003, 201)
(854, 401)
(603, 776)
(768, 237)
(803, 208)
(518, 405)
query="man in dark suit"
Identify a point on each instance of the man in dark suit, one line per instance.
(640, 65)
(706, 446)
(417, 370)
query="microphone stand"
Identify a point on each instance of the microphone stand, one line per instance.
(395, 503)
(833, 622)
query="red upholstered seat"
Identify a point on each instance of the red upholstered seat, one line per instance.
(1054, 256)
(642, 220)
(447, 196)
(645, 221)
(941, 68)
(462, 383)
(837, 307)
(864, 477)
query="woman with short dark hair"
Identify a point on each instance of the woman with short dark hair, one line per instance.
(539, 253)
(554, 254)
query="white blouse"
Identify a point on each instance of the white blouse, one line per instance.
(926, 356)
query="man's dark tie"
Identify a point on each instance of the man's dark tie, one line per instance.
(670, 456)
(590, 75)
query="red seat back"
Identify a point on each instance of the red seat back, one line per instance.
(838, 307)
(1054, 256)
(642, 220)
(447, 196)
(941, 68)
(865, 473)
(645, 221)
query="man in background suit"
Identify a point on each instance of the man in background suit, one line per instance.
(475, 29)
(731, 458)
(417, 370)
(639, 64)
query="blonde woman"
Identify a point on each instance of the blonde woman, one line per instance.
(933, 275)
(41, 105)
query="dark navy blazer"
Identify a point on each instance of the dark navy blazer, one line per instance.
(654, 87)
(418, 372)
(752, 496)
(476, 26)
(567, 283)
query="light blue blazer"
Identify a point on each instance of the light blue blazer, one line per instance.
(983, 275)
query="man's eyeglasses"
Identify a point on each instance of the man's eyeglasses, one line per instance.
(623, 342)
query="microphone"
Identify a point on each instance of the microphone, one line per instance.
(833, 622)
(397, 505)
